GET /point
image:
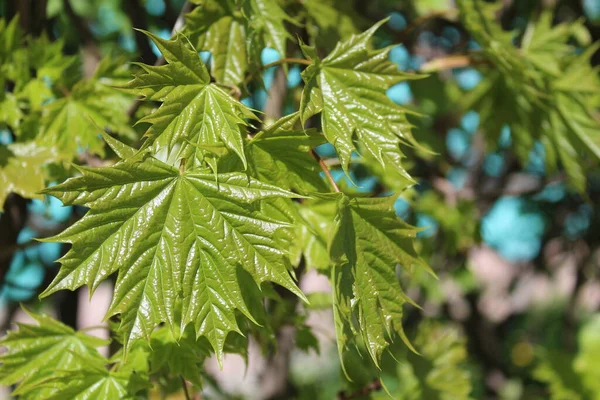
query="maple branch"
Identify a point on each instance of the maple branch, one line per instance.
(451, 62)
(185, 388)
(326, 170)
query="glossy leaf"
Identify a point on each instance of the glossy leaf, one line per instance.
(196, 117)
(216, 26)
(368, 242)
(267, 25)
(281, 154)
(176, 240)
(36, 353)
(349, 88)
(180, 357)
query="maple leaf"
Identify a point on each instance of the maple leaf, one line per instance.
(196, 116)
(552, 96)
(280, 154)
(74, 123)
(10, 113)
(368, 242)
(20, 160)
(37, 353)
(331, 21)
(218, 27)
(182, 356)
(349, 88)
(176, 240)
(267, 26)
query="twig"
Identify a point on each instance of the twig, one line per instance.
(185, 388)
(454, 61)
(371, 387)
(326, 171)
(443, 63)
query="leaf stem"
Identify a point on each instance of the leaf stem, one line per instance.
(185, 388)
(326, 171)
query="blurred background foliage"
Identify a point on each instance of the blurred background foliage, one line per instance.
(507, 199)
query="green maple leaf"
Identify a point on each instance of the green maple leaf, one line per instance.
(367, 244)
(312, 234)
(219, 27)
(36, 353)
(182, 356)
(440, 368)
(553, 97)
(93, 382)
(20, 160)
(196, 115)
(10, 113)
(74, 123)
(280, 154)
(267, 25)
(349, 88)
(176, 240)
(437, 373)
(330, 21)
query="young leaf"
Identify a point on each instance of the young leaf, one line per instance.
(182, 357)
(312, 233)
(20, 160)
(280, 154)
(74, 123)
(552, 97)
(438, 372)
(329, 21)
(368, 242)
(195, 114)
(267, 25)
(176, 240)
(10, 113)
(349, 88)
(36, 353)
(93, 382)
(216, 26)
